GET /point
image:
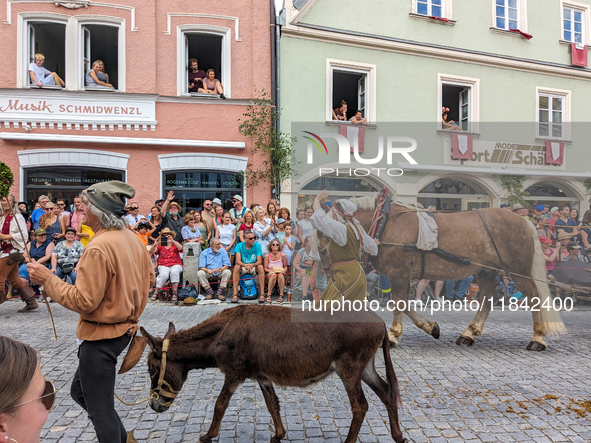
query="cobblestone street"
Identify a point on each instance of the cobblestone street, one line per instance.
(493, 391)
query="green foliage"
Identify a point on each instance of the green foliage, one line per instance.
(6, 180)
(513, 184)
(272, 147)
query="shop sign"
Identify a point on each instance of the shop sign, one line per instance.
(42, 108)
(504, 155)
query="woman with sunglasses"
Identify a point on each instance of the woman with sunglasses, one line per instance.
(275, 267)
(25, 396)
(52, 224)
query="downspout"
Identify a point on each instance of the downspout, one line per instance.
(277, 55)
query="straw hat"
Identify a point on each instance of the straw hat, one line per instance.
(167, 231)
(563, 235)
(180, 208)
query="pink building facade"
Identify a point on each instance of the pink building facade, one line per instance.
(148, 129)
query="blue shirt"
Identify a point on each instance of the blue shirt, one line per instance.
(212, 261)
(190, 235)
(248, 256)
(36, 215)
(570, 222)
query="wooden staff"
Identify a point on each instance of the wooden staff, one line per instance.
(45, 295)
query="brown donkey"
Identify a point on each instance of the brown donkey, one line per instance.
(276, 345)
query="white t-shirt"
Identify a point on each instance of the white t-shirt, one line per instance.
(39, 71)
(307, 228)
(133, 220)
(226, 233)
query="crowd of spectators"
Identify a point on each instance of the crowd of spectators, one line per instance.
(262, 241)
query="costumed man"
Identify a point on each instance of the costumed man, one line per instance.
(13, 238)
(115, 275)
(347, 240)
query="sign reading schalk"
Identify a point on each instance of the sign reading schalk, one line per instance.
(504, 155)
(42, 107)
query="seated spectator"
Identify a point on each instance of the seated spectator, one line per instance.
(275, 267)
(288, 242)
(25, 396)
(341, 112)
(460, 291)
(248, 261)
(575, 253)
(214, 264)
(84, 232)
(212, 85)
(550, 254)
(445, 124)
(144, 229)
(66, 255)
(226, 232)
(190, 233)
(196, 76)
(358, 119)
(43, 77)
(40, 250)
(170, 263)
(96, 78)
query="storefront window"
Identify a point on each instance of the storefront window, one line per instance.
(339, 187)
(192, 188)
(450, 194)
(551, 194)
(64, 182)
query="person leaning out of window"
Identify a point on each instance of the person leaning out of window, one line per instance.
(96, 77)
(212, 85)
(43, 77)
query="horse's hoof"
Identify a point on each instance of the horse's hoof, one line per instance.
(435, 331)
(465, 341)
(535, 346)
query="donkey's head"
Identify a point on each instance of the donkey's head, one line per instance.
(167, 376)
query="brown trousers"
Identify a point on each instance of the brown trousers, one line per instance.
(10, 273)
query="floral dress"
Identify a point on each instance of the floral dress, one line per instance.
(259, 230)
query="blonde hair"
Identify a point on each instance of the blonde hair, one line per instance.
(39, 57)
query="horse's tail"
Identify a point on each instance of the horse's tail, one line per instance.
(393, 390)
(549, 316)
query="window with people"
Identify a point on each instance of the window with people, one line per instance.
(349, 96)
(205, 64)
(48, 54)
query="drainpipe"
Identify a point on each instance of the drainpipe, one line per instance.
(277, 8)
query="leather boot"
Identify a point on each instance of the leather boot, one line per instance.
(131, 438)
(28, 296)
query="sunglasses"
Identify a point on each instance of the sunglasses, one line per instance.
(275, 244)
(48, 397)
(134, 207)
(61, 204)
(250, 238)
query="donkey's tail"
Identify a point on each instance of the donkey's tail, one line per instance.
(393, 391)
(548, 315)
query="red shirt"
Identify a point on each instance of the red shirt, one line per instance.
(168, 257)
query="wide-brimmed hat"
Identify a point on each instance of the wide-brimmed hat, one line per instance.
(544, 239)
(517, 206)
(40, 231)
(216, 201)
(180, 208)
(563, 235)
(237, 197)
(167, 231)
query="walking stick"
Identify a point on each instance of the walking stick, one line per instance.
(46, 301)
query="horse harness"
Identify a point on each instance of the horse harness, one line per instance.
(158, 391)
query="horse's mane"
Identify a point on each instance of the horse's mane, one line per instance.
(368, 203)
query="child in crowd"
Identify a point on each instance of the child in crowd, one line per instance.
(143, 229)
(288, 241)
(226, 232)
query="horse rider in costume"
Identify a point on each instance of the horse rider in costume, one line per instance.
(13, 238)
(115, 275)
(347, 240)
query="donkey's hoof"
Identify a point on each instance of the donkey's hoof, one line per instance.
(205, 439)
(535, 346)
(435, 331)
(465, 341)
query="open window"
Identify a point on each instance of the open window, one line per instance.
(460, 96)
(211, 46)
(101, 42)
(48, 39)
(350, 87)
(207, 50)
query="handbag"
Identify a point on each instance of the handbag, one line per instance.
(68, 268)
(188, 291)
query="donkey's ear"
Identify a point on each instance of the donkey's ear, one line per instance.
(171, 330)
(134, 353)
(151, 340)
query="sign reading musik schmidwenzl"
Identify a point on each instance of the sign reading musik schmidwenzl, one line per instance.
(504, 155)
(41, 107)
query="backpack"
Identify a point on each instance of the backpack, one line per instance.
(248, 289)
(187, 291)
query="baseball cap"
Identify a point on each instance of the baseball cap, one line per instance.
(280, 220)
(572, 245)
(504, 205)
(544, 239)
(237, 197)
(216, 201)
(540, 207)
(554, 209)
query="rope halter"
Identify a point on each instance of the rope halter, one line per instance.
(168, 393)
